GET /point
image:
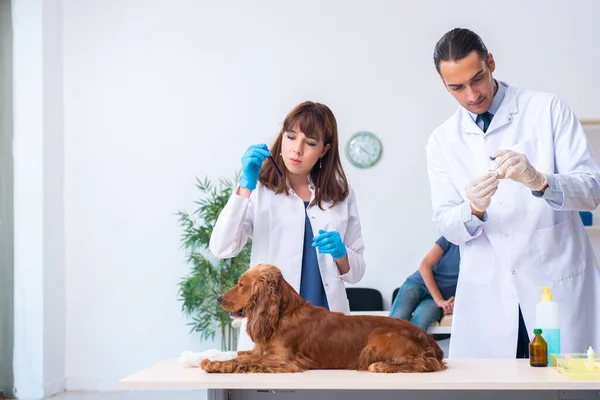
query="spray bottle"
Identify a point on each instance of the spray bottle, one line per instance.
(546, 318)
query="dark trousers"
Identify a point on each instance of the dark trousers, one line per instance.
(523, 338)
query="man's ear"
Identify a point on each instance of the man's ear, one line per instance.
(491, 62)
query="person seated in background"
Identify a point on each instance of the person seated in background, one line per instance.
(428, 294)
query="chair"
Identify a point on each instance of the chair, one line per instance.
(440, 329)
(364, 299)
(394, 294)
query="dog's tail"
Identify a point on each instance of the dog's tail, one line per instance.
(429, 343)
(429, 361)
(423, 362)
(401, 351)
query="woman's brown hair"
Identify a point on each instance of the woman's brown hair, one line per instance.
(317, 122)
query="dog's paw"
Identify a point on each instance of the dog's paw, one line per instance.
(210, 366)
(380, 367)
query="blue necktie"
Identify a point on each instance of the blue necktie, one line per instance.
(486, 117)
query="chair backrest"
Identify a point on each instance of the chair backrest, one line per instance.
(395, 294)
(364, 299)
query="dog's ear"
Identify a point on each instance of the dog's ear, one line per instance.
(263, 315)
(290, 299)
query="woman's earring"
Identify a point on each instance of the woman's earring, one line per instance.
(320, 162)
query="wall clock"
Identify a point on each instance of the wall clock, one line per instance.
(363, 149)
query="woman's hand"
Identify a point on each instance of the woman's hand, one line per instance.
(446, 305)
(330, 242)
(252, 161)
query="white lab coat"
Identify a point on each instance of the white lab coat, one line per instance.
(275, 222)
(526, 242)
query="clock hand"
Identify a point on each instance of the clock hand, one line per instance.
(369, 154)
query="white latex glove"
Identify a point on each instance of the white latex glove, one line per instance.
(236, 323)
(193, 359)
(480, 191)
(516, 166)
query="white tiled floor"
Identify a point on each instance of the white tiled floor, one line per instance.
(343, 395)
(134, 395)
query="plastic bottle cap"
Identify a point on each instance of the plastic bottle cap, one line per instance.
(537, 331)
(546, 296)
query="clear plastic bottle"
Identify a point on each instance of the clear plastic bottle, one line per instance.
(547, 319)
(590, 352)
(538, 350)
(492, 169)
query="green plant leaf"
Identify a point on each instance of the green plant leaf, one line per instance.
(208, 277)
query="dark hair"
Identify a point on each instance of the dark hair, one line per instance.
(458, 44)
(316, 121)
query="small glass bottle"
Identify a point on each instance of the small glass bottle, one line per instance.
(492, 169)
(538, 350)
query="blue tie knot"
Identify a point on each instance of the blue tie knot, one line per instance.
(486, 117)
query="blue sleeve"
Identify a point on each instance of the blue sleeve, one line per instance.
(472, 223)
(443, 243)
(554, 194)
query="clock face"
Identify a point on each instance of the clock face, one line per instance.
(363, 149)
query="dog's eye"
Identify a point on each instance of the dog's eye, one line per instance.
(240, 284)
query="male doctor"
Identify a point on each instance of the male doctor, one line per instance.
(516, 218)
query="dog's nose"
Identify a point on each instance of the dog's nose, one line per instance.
(220, 299)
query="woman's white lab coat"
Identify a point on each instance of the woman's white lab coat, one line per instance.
(526, 242)
(275, 222)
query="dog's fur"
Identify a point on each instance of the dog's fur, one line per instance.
(292, 335)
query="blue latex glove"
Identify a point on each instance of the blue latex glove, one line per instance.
(330, 243)
(252, 161)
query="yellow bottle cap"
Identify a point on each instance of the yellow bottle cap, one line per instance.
(546, 296)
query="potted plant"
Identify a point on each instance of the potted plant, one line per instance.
(209, 277)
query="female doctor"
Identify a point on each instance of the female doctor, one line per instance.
(305, 223)
(518, 226)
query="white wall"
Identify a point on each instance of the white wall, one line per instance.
(39, 245)
(54, 213)
(156, 92)
(6, 201)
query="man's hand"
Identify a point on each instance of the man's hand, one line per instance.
(480, 191)
(516, 166)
